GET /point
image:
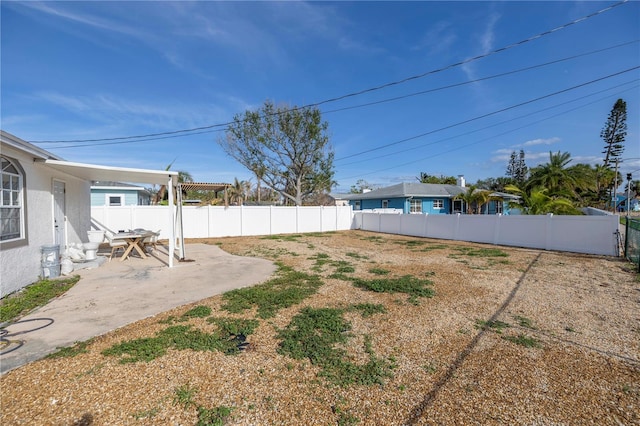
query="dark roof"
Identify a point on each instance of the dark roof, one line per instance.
(405, 189)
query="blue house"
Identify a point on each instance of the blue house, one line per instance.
(621, 203)
(118, 194)
(424, 198)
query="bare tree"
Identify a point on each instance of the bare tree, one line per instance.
(288, 147)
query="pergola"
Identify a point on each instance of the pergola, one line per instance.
(91, 172)
(202, 186)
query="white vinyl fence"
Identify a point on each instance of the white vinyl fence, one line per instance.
(215, 221)
(578, 234)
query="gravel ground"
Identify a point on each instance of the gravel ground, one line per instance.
(453, 361)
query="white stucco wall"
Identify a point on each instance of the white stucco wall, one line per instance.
(20, 265)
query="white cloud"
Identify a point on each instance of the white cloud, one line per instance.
(122, 115)
(486, 44)
(540, 141)
(59, 10)
(439, 38)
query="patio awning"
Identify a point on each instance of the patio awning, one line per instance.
(121, 174)
(91, 172)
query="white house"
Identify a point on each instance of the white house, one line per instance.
(45, 200)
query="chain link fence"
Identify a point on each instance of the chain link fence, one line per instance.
(632, 240)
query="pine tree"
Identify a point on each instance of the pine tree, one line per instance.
(517, 168)
(614, 131)
(522, 169)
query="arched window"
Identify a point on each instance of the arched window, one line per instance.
(11, 200)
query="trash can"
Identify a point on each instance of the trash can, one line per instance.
(50, 261)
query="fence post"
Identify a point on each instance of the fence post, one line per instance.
(270, 219)
(626, 237)
(456, 229)
(425, 228)
(547, 230)
(496, 230)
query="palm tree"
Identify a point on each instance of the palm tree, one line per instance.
(555, 176)
(183, 177)
(474, 197)
(538, 201)
(593, 182)
(238, 191)
(258, 170)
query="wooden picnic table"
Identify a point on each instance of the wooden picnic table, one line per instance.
(133, 239)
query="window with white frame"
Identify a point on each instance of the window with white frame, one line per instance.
(356, 205)
(11, 201)
(438, 204)
(416, 206)
(114, 199)
(385, 204)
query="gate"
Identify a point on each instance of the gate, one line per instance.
(632, 240)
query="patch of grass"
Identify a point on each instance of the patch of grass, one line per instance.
(374, 239)
(70, 351)
(482, 252)
(343, 267)
(316, 334)
(413, 299)
(355, 255)
(283, 237)
(369, 309)
(379, 271)
(288, 289)
(496, 326)
(184, 396)
(216, 416)
(181, 337)
(236, 326)
(340, 276)
(525, 322)
(433, 247)
(199, 311)
(33, 296)
(410, 243)
(321, 259)
(406, 284)
(143, 349)
(523, 340)
(168, 320)
(320, 256)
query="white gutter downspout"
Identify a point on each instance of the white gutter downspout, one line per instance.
(172, 223)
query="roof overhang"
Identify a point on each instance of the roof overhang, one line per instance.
(107, 173)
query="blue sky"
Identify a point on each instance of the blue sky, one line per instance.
(96, 70)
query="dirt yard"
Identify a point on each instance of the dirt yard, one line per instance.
(509, 336)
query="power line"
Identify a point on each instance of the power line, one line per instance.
(82, 145)
(481, 79)
(481, 140)
(488, 114)
(369, 90)
(98, 143)
(496, 124)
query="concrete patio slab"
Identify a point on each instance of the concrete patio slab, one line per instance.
(117, 293)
